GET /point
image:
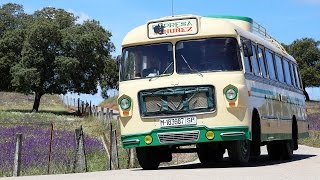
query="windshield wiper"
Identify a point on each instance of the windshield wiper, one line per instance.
(162, 74)
(192, 70)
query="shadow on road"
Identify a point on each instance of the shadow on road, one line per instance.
(260, 161)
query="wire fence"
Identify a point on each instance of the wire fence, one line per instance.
(85, 108)
(47, 150)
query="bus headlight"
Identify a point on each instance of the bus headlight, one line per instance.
(124, 102)
(231, 92)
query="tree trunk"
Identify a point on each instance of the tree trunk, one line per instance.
(36, 102)
(306, 94)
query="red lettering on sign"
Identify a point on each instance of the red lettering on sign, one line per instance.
(189, 29)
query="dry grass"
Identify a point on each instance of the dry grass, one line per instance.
(10, 101)
(110, 103)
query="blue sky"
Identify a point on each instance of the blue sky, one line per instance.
(286, 20)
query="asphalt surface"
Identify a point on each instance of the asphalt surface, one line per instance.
(305, 165)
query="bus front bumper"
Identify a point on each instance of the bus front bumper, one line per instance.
(185, 135)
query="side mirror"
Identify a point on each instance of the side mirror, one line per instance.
(247, 48)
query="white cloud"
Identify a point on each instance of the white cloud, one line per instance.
(81, 16)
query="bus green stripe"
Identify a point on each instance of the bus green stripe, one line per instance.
(281, 136)
(242, 18)
(137, 140)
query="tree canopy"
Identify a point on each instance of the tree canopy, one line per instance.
(306, 51)
(48, 52)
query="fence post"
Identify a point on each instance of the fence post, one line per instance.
(67, 101)
(114, 163)
(17, 156)
(131, 157)
(90, 110)
(78, 106)
(96, 111)
(50, 148)
(82, 107)
(107, 113)
(111, 114)
(102, 113)
(106, 120)
(80, 162)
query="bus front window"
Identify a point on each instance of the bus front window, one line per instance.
(207, 55)
(146, 61)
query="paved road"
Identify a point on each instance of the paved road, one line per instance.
(305, 165)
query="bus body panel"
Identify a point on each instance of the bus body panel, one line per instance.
(277, 104)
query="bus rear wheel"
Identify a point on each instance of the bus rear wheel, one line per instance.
(280, 150)
(208, 154)
(287, 150)
(274, 150)
(147, 157)
(239, 151)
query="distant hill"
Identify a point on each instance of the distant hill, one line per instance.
(110, 103)
(19, 101)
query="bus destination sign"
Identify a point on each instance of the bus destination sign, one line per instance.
(172, 28)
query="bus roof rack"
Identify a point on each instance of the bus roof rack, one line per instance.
(262, 32)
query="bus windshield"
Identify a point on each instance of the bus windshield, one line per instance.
(207, 55)
(146, 61)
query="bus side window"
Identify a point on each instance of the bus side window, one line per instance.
(279, 68)
(287, 71)
(254, 61)
(270, 65)
(297, 77)
(293, 77)
(262, 62)
(247, 63)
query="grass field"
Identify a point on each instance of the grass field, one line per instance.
(15, 117)
(313, 111)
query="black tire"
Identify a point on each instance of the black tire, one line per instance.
(239, 151)
(147, 157)
(287, 150)
(256, 135)
(274, 150)
(295, 134)
(208, 155)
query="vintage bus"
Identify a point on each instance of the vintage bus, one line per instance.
(208, 84)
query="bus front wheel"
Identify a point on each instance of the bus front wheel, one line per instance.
(239, 151)
(147, 157)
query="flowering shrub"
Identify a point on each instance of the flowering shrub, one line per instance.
(36, 148)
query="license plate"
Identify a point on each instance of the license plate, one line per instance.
(178, 121)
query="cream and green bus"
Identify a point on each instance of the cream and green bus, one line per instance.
(208, 84)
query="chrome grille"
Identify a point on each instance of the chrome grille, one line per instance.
(175, 103)
(153, 104)
(198, 100)
(176, 137)
(176, 100)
